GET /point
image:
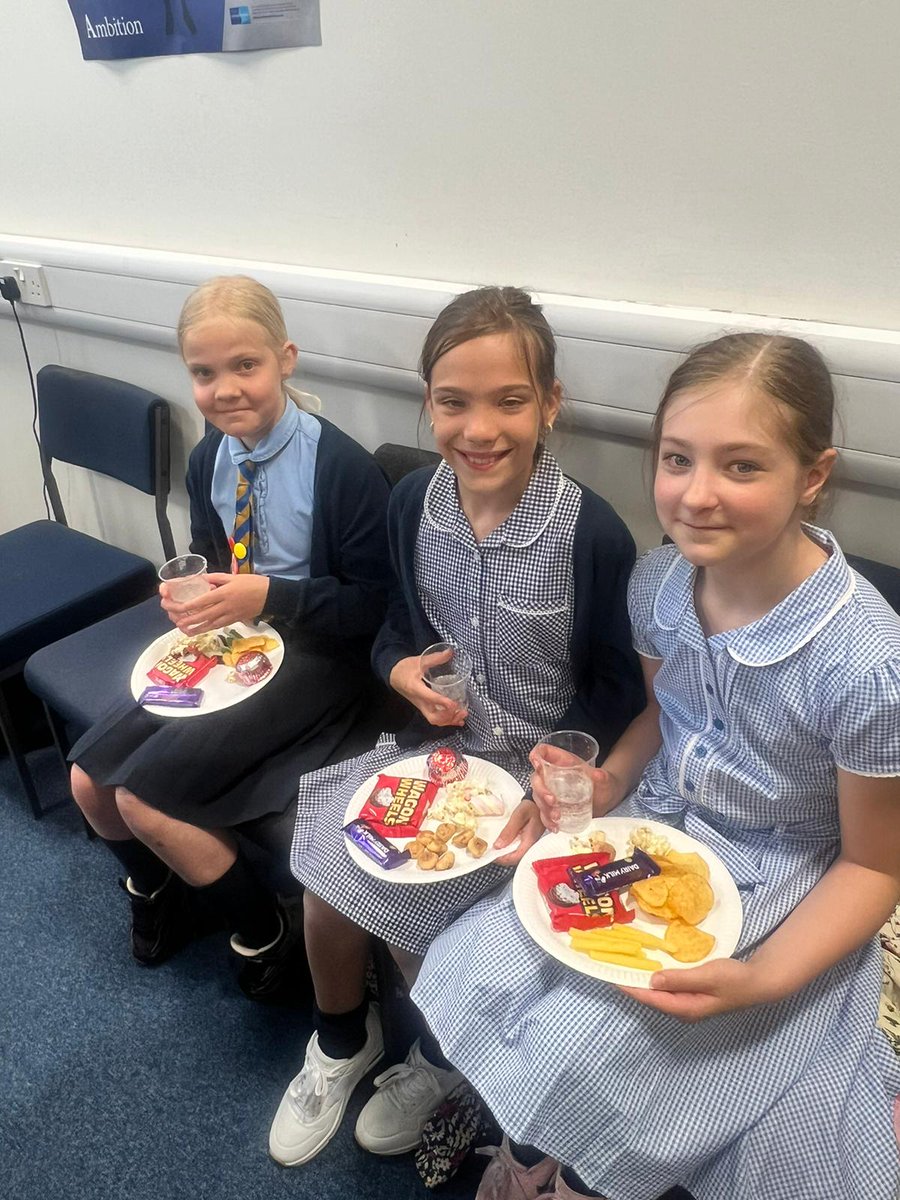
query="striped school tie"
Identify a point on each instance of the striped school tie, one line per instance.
(242, 538)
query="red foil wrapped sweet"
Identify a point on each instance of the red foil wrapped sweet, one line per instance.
(569, 907)
(251, 667)
(446, 765)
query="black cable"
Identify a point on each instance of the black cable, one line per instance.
(34, 400)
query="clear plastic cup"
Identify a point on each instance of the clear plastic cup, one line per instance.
(446, 669)
(185, 576)
(566, 772)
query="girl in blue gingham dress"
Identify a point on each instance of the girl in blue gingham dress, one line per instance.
(773, 739)
(526, 571)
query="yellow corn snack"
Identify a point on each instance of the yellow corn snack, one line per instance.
(617, 935)
(641, 963)
(242, 645)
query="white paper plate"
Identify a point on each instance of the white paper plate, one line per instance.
(499, 781)
(723, 922)
(218, 693)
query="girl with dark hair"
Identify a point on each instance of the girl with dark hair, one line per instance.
(497, 552)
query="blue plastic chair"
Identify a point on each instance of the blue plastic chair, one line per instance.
(881, 576)
(55, 578)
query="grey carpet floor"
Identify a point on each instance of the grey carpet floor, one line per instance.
(123, 1083)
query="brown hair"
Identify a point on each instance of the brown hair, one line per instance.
(490, 310)
(786, 369)
(241, 298)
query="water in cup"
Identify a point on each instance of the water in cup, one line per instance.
(567, 756)
(187, 589)
(185, 576)
(575, 793)
(449, 677)
(452, 686)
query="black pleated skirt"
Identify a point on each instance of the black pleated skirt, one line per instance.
(219, 769)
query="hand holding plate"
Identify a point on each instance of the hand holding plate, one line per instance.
(694, 993)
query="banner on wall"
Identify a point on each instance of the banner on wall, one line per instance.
(144, 28)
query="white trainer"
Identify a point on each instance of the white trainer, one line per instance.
(314, 1104)
(406, 1095)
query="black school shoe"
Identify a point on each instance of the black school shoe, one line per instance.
(279, 973)
(164, 922)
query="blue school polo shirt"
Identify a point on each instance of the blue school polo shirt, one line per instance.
(282, 492)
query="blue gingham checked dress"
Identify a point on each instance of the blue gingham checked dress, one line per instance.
(508, 602)
(786, 1102)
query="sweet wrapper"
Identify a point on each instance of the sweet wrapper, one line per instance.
(172, 697)
(569, 907)
(398, 804)
(182, 669)
(596, 881)
(377, 848)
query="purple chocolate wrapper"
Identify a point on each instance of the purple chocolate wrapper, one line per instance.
(371, 842)
(614, 875)
(172, 697)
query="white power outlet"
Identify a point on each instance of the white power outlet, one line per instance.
(31, 280)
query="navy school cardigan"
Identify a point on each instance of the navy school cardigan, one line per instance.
(609, 687)
(345, 596)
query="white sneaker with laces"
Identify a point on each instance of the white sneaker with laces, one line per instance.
(314, 1104)
(406, 1095)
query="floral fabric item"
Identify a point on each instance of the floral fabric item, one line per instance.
(889, 1009)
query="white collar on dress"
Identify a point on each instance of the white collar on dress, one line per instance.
(783, 630)
(525, 523)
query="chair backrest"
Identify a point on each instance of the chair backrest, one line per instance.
(108, 426)
(881, 576)
(396, 461)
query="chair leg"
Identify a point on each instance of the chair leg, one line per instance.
(18, 758)
(60, 737)
(61, 741)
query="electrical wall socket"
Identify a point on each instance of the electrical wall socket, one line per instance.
(31, 280)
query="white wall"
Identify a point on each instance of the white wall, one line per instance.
(719, 153)
(710, 153)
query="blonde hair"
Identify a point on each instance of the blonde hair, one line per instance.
(242, 299)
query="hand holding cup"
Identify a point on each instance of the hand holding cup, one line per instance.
(564, 779)
(446, 669)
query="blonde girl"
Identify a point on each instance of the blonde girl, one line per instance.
(165, 795)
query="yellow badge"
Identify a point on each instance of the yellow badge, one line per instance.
(240, 551)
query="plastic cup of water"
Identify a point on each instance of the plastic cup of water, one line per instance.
(446, 669)
(566, 759)
(185, 576)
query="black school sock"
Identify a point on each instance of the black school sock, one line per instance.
(248, 908)
(341, 1035)
(146, 872)
(428, 1043)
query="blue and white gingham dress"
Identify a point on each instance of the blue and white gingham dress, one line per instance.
(787, 1102)
(508, 602)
